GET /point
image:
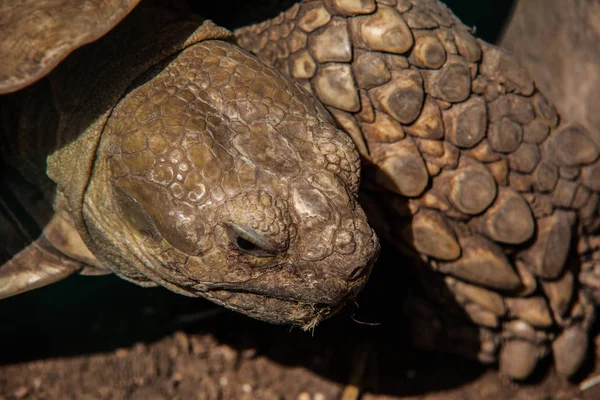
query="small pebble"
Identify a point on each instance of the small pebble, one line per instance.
(37, 382)
(121, 353)
(21, 392)
(246, 388)
(304, 396)
(177, 377)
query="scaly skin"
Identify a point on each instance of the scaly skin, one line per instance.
(188, 163)
(557, 41)
(472, 173)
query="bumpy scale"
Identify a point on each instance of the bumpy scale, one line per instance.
(472, 171)
(181, 160)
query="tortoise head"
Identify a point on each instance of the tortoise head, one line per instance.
(217, 176)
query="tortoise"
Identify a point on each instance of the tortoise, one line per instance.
(468, 169)
(169, 156)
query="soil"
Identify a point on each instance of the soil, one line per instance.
(103, 338)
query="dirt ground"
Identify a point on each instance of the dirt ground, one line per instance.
(103, 338)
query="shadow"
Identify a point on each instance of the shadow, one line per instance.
(87, 315)
(246, 12)
(19, 202)
(487, 17)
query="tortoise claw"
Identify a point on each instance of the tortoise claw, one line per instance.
(37, 265)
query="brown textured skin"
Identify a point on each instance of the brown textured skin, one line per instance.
(557, 41)
(472, 172)
(36, 35)
(184, 161)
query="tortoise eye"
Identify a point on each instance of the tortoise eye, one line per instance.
(249, 241)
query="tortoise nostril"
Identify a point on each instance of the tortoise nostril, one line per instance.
(344, 242)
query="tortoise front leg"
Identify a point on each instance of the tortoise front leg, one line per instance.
(36, 266)
(557, 42)
(472, 170)
(41, 246)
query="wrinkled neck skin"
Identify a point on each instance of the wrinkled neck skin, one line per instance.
(216, 176)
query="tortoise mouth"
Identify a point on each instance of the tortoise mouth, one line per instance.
(305, 310)
(277, 310)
